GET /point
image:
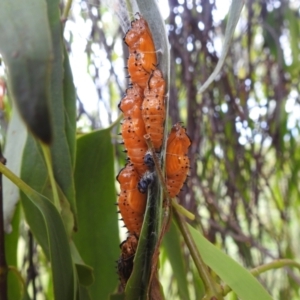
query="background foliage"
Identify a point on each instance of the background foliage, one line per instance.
(243, 187)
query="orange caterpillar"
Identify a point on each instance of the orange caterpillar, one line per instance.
(153, 108)
(133, 128)
(177, 161)
(142, 56)
(131, 202)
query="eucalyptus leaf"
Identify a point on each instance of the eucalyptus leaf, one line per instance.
(51, 230)
(34, 172)
(171, 243)
(62, 110)
(84, 272)
(97, 239)
(47, 226)
(234, 15)
(25, 45)
(117, 297)
(239, 279)
(13, 152)
(70, 106)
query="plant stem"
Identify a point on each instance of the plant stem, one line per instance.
(157, 166)
(182, 210)
(47, 156)
(3, 264)
(25, 188)
(212, 288)
(276, 264)
(117, 121)
(66, 10)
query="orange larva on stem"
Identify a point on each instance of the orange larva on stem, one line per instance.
(136, 71)
(142, 55)
(131, 101)
(177, 161)
(131, 202)
(153, 108)
(133, 128)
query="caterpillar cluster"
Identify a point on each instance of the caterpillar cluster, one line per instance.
(143, 108)
(144, 111)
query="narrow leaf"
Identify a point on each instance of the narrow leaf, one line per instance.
(172, 245)
(25, 45)
(47, 226)
(240, 280)
(59, 251)
(234, 15)
(70, 106)
(84, 272)
(62, 110)
(97, 239)
(34, 172)
(13, 152)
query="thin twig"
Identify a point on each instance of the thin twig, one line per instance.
(116, 122)
(66, 11)
(213, 291)
(47, 156)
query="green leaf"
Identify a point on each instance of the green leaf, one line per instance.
(25, 45)
(97, 239)
(234, 15)
(84, 272)
(51, 230)
(62, 110)
(117, 297)
(13, 152)
(70, 106)
(83, 293)
(171, 243)
(47, 226)
(34, 172)
(240, 280)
